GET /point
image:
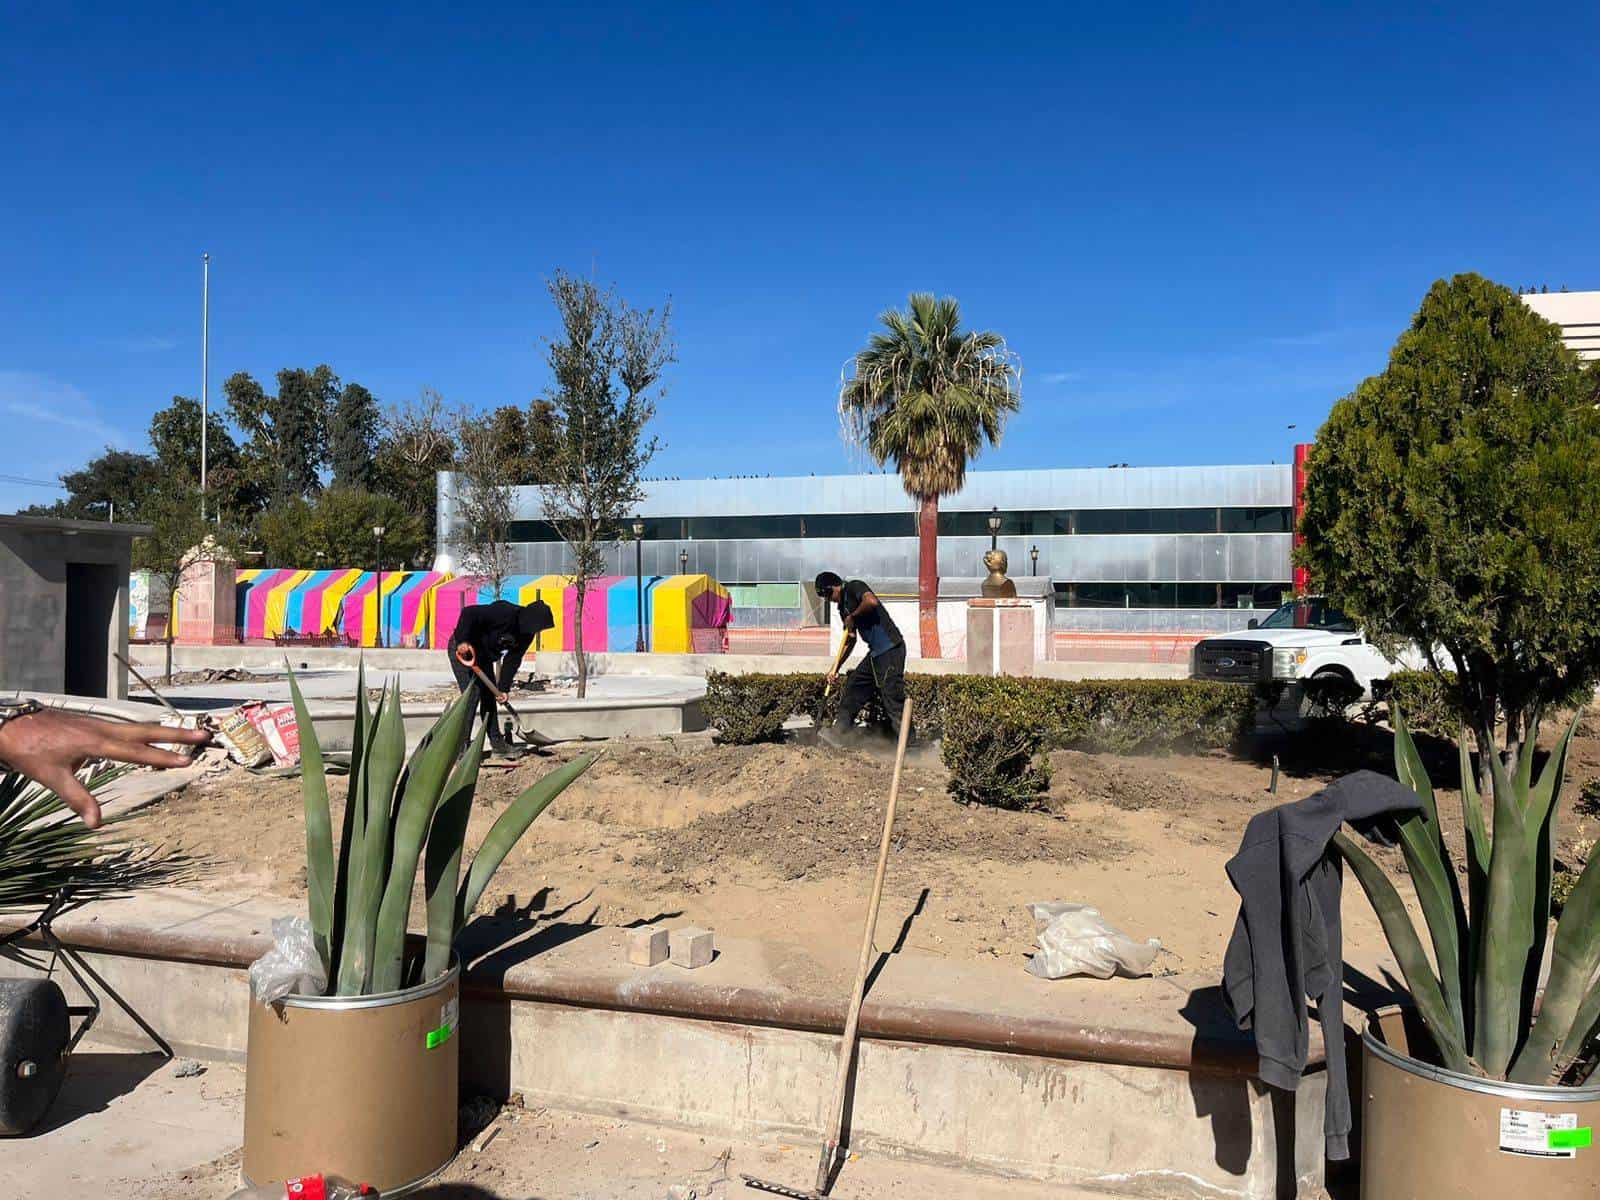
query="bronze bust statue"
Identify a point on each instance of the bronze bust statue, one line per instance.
(997, 586)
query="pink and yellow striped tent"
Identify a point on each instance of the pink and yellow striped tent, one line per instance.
(406, 608)
(322, 602)
(595, 612)
(275, 615)
(449, 599)
(252, 614)
(361, 607)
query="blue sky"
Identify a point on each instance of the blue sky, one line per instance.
(1194, 225)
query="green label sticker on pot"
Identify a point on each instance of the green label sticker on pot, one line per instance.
(449, 1017)
(1571, 1139)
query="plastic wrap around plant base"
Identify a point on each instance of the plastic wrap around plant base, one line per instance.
(292, 967)
(1074, 939)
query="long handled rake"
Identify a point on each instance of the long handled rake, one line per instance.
(847, 1045)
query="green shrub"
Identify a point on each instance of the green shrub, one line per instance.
(995, 729)
(1428, 700)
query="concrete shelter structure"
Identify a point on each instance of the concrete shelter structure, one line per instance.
(64, 605)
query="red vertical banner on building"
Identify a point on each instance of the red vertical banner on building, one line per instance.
(1302, 577)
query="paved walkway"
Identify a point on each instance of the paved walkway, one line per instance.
(127, 1127)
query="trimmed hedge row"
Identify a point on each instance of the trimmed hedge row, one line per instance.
(994, 730)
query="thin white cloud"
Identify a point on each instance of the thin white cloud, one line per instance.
(42, 404)
(1058, 377)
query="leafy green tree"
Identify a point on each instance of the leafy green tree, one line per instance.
(117, 477)
(1453, 502)
(353, 436)
(927, 396)
(175, 438)
(417, 443)
(606, 368)
(300, 422)
(490, 456)
(285, 434)
(337, 525)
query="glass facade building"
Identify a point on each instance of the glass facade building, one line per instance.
(1120, 537)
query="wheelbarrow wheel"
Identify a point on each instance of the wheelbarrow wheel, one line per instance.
(33, 1044)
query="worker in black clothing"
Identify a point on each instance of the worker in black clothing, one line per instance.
(882, 672)
(498, 632)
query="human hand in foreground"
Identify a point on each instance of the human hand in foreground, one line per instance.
(50, 745)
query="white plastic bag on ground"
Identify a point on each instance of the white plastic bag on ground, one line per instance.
(291, 967)
(1074, 939)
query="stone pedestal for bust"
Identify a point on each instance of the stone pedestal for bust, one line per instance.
(206, 603)
(1000, 636)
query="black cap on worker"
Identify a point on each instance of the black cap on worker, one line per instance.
(826, 582)
(535, 618)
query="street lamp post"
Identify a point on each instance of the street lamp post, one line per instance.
(683, 562)
(377, 534)
(1034, 554)
(994, 528)
(638, 579)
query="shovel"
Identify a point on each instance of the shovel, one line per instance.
(468, 657)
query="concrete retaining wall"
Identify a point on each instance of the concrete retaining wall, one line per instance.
(1143, 1130)
(546, 662)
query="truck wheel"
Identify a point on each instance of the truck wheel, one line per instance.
(33, 1043)
(1329, 693)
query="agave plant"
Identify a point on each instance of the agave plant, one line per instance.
(1482, 1005)
(398, 815)
(45, 849)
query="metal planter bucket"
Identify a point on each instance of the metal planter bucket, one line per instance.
(1428, 1133)
(359, 1086)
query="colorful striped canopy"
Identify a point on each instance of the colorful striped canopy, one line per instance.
(686, 605)
(622, 614)
(596, 626)
(252, 612)
(405, 609)
(318, 608)
(449, 599)
(361, 606)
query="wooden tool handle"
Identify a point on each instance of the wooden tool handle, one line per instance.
(830, 1146)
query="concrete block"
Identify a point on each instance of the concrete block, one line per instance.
(692, 946)
(647, 945)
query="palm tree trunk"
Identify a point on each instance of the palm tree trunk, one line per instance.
(928, 576)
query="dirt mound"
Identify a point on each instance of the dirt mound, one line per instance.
(813, 811)
(1173, 785)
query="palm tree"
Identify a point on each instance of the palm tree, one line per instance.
(927, 396)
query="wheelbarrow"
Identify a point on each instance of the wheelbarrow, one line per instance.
(515, 729)
(36, 1037)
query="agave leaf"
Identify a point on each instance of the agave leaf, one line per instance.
(510, 827)
(1543, 808)
(1402, 936)
(1585, 1027)
(1573, 963)
(319, 827)
(385, 757)
(1433, 875)
(441, 871)
(1506, 929)
(354, 824)
(425, 780)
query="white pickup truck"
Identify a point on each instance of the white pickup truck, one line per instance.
(1304, 640)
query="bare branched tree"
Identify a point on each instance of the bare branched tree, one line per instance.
(606, 369)
(485, 501)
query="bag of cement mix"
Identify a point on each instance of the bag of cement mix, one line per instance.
(241, 738)
(291, 967)
(277, 726)
(1074, 939)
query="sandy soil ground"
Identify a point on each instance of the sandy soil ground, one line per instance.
(541, 1154)
(777, 842)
